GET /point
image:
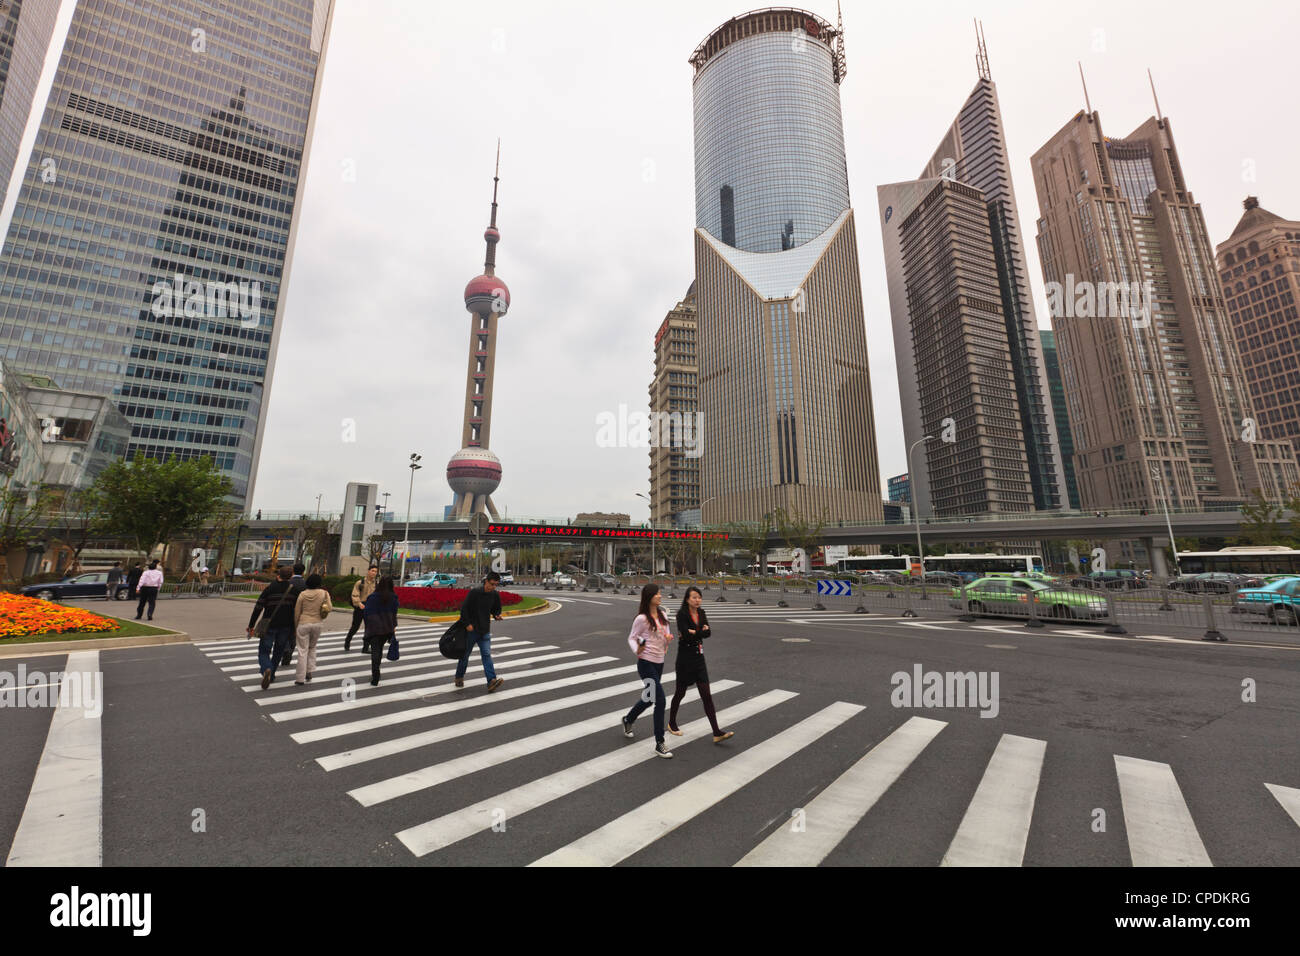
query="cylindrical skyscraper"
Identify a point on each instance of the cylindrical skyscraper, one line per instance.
(474, 472)
(784, 384)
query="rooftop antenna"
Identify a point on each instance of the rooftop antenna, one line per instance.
(1154, 97)
(1086, 101)
(981, 53)
(839, 61)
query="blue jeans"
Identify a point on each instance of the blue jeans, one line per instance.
(271, 648)
(484, 644)
(650, 671)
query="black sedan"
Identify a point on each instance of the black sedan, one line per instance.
(1215, 582)
(91, 584)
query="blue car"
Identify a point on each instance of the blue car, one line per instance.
(91, 584)
(1279, 601)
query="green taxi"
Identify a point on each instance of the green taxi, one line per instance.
(1011, 596)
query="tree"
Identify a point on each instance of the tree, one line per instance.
(21, 513)
(1261, 521)
(75, 522)
(149, 502)
(752, 537)
(223, 532)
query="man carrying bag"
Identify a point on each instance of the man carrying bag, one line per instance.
(482, 605)
(275, 630)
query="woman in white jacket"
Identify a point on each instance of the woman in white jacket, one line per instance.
(649, 640)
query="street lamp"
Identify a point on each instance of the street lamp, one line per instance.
(318, 498)
(702, 504)
(916, 514)
(1164, 503)
(652, 533)
(414, 466)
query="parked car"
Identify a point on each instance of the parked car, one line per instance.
(1120, 579)
(1012, 595)
(507, 577)
(558, 580)
(1278, 601)
(607, 580)
(91, 584)
(434, 581)
(1215, 582)
(943, 578)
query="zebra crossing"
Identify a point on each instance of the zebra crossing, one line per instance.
(399, 747)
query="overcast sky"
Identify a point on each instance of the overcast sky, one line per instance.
(592, 102)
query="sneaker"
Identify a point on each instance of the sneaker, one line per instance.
(374, 682)
(496, 682)
(661, 750)
(266, 678)
(627, 727)
(719, 738)
(460, 682)
(299, 683)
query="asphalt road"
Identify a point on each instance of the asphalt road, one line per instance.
(1103, 751)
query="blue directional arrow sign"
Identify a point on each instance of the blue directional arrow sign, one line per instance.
(835, 588)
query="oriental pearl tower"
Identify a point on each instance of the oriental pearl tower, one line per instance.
(474, 472)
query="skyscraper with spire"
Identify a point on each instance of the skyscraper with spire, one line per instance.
(474, 472)
(970, 364)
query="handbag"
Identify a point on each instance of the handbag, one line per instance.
(264, 623)
(393, 652)
(455, 642)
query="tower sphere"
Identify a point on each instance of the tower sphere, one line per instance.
(474, 471)
(486, 294)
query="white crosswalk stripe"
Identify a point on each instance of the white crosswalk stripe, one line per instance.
(1160, 828)
(406, 754)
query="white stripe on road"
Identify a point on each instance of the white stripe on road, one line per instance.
(420, 692)
(996, 825)
(439, 773)
(63, 821)
(1160, 828)
(253, 682)
(1288, 797)
(637, 829)
(453, 827)
(828, 819)
(422, 673)
(339, 659)
(416, 713)
(387, 748)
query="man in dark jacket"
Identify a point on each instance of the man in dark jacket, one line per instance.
(481, 606)
(299, 582)
(114, 578)
(277, 601)
(133, 580)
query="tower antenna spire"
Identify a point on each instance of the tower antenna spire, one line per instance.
(1086, 102)
(981, 53)
(1152, 81)
(492, 235)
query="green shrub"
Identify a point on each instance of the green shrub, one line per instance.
(340, 588)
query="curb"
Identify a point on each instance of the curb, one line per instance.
(540, 609)
(45, 648)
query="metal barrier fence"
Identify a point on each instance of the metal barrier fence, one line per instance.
(212, 589)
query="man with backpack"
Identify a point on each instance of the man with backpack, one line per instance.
(482, 605)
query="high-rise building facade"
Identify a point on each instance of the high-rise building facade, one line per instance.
(1259, 272)
(900, 488)
(1056, 389)
(151, 239)
(26, 29)
(674, 401)
(784, 384)
(1155, 392)
(972, 153)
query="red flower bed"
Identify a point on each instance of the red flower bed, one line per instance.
(444, 599)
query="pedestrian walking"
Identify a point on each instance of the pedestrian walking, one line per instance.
(360, 592)
(114, 579)
(693, 629)
(150, 582)
(481, 606)
(300, 584)
(309, 613)
(277, 602)
(381, 622)
(649, 639)
(133, 580)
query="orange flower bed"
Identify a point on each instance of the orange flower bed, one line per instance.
(22, 616)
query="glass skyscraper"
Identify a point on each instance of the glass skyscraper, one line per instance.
(150, 242)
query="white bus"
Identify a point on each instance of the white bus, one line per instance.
(972, 566)
(1241, 560)
(861, 564)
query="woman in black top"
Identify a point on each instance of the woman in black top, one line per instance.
(381, 622)
(693, 627)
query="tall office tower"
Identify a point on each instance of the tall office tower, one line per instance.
(474, 472)
(785, 388)
(973, 153)
(26, 29)
(1056, 389)
(900, 488)
(1156, 396)
(675, 445)
(1259, 272)
(155, 225)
